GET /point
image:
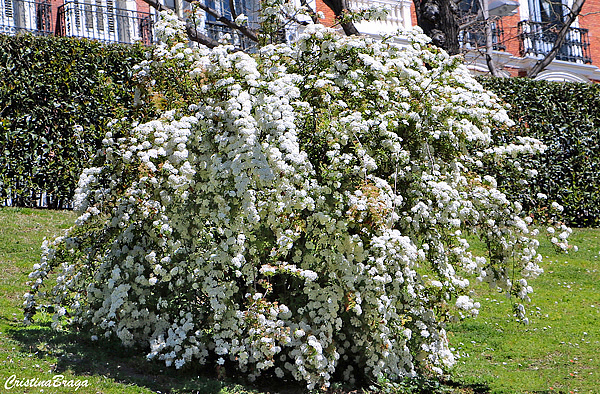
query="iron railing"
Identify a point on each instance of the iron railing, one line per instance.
(34, 199)
(537, 39)
(104, 23)
(473, 37)
(25, 16)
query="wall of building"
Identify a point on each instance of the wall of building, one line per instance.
(54, 18)
(142, 6)
(511, 33)
(589, 18)
(329, 19)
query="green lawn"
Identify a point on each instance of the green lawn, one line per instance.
(39, 352)
(559, 351)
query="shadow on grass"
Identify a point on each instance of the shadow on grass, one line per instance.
(106, 358)
(469, 388)
(81, 356)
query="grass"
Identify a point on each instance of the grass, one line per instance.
(39, 352)
(559, 351)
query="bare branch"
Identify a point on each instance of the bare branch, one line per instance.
(196, 36)
(234, 14)
(251, 34)
(476, 18)
(156, 5)
(489, 46)
(292, 18)
(560, 39)
(191, 30)
(311, 12)
(589, 13)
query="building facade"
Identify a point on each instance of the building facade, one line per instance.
(523, 30)
(115, 21)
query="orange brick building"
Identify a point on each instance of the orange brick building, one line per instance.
(520, 38)
(118, 21)
(111, 21)
(523, 29)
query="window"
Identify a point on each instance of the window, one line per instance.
(473, 35)
(25, 15)
(548, 12)
(105, 20)
(230, 9)
(539, 34)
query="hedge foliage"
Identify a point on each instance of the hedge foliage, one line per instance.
(566, 117)
(49, 87)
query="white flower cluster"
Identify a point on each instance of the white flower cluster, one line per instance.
(305, 214)
(169, 27)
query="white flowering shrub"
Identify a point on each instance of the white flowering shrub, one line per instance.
(302, 212)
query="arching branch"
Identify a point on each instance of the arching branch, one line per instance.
(197, 36)
(250, 33)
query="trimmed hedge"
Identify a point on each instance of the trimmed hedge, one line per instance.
(49, 87)
(566, 117)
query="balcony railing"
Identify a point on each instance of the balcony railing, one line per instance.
(21, 15)
(474, 36)
(395, 20)
(398, 15)
(104, 23)
(537, 39)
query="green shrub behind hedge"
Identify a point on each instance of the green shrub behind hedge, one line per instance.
(48, 87)
(566, 117)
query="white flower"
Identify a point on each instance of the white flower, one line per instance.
(294, 197)
(241, 19)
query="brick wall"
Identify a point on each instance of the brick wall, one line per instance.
(329, 15)
(511, 33)
(54, 14)
(589, 18)
(142, 6)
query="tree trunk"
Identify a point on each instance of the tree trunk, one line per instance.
(439, 20)
(489, 45)
(339, 7)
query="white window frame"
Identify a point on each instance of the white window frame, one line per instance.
(104, 20)
(18, 15)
